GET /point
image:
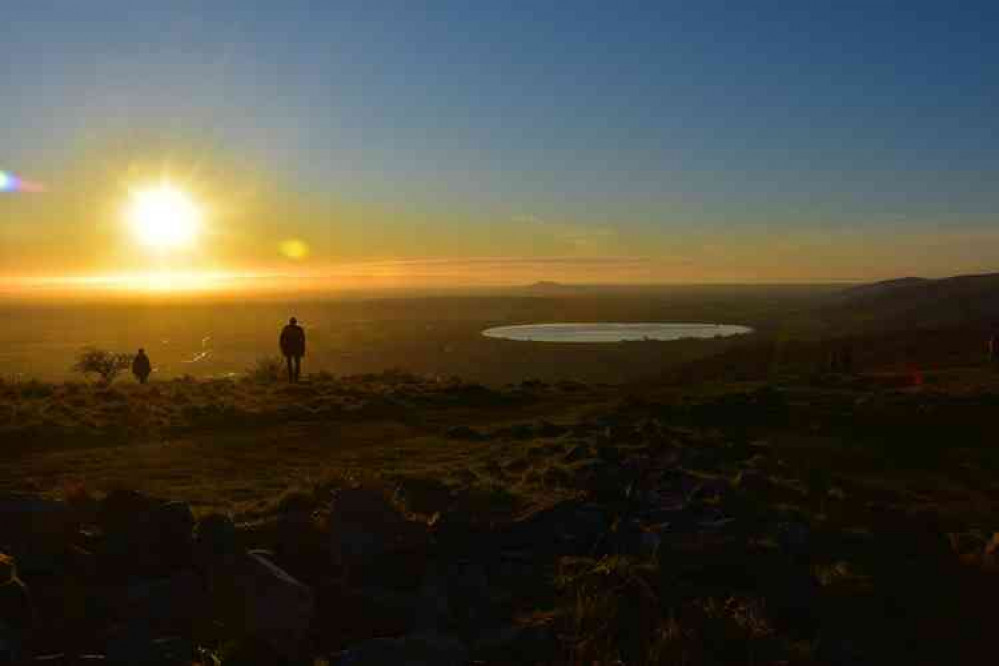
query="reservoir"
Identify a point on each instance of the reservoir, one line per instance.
(612, 332)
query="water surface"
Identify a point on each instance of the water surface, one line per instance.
(611, 332)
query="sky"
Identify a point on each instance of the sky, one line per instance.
(503, 142)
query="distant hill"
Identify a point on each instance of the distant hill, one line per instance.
(550, 287)
(912, 302)
(885, 286)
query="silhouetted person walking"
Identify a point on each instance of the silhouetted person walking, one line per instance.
(293, 348)
(141, 367)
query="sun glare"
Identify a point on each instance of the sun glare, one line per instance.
(164, 217)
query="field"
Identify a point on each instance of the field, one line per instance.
(426, 334)
(714, 508)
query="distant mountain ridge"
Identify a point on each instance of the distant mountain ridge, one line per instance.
(963, 300)
(873, 288)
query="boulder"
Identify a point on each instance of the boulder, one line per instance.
(516, 645)
(257, 599)
(548, 429)
(424, 495)
(577, 453)
(466, 433)
(169, 605)
(372, 540)
(457, 596)
(135, 645)
(567, 527)
(215, 536)
(37, 532)
(412, 650)
(145, 536)
(16, 613)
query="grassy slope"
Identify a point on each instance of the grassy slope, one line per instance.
(880, 471)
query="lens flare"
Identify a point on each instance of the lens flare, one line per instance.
(294, 249)
(10, 182)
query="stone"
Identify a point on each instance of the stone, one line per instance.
(37, 532)
(16, 613)
(516, 645)
(424, 495)
(577, 453)
(8, 569)
(466, 433)
(569, 526)
(370, 538)
(548, 429)
(216, 535)
(169, 605)
(411, 650)
(143, 536)
(258, 599)
(135, 645)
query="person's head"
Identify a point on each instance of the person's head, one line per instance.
(141, 350)
(292, 321)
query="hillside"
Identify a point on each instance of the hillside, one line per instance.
(915, 303)
(407, 519)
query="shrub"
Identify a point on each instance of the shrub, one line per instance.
(267, 370)
(107, 365)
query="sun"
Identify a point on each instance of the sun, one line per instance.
(163, 217)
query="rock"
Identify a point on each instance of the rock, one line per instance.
(577, 453)
(260, 600)
(458, 595)
(8, 570)
(168, 605)
(609, 453)
(215, 535)
(134, 645)
(423, 495)
(570, 526)
(144, 536)
(412, 650)
(373, 541)
(121, 509)
(753, 481)
(16, 613)
(466, 433)
(36, 532)
(516, 645)
(549, 429)
(794, 539)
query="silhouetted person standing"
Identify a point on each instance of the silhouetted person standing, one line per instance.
(141, 367)
(293, 348)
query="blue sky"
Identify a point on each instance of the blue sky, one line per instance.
(645, 122)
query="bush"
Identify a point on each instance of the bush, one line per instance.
(267, 370)
(107, 365)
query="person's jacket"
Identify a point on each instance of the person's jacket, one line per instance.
(293, 340)
(141, 366)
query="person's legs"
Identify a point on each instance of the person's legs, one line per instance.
(298, 367)
(291, 370)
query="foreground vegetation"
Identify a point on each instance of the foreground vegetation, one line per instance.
(812, 520)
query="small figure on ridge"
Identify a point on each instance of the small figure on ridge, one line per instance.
(293, 348)
(141, 367)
